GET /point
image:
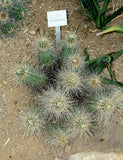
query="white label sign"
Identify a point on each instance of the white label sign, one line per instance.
(57, 18)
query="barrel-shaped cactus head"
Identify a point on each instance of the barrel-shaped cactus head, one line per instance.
(31, 123)
(44, 48)
(70, 39)
(93, 83)
(107, 108)
(4, 17)
(70, 80)
(74, 61)
(55, 104)
(80, 124)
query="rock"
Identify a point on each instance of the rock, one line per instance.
(32, 32)
(95, 156)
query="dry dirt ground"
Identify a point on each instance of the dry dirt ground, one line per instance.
(13, 99)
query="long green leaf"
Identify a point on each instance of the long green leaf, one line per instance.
(116, 55)
(104, 9)
(93, 9)
(108, 81)
(86, 12)
(112, 29)
(111, 72)
(100, 20)
(105, 4)
(115, 14)
(99, 59)
(86, 54)
(96, 6)
(100, 68)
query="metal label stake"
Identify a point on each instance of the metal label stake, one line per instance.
(58, 35)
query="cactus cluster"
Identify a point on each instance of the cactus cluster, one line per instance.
(73, 100)
(10, 12)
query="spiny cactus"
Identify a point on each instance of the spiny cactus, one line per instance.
(74, 61)
(69, 87)
(106, 108)
(18, 12)
(28, 75)
(31, 122)
(8, 28)
(5, 4)
(80, 124)
(58, 135)
(70, 80)
(45, 51)
(11, 10)
(93, 83)
(69, 45)
(117, 96)
(55, 104)
(4, 17)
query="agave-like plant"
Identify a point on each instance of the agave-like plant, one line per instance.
(98, 64)
(97, 14)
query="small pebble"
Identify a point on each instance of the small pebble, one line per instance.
(32, 32)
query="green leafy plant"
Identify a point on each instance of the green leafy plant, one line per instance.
(97, 14)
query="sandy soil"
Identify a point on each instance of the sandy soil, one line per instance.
(14, 99)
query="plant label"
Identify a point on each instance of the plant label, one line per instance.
(57, 19)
